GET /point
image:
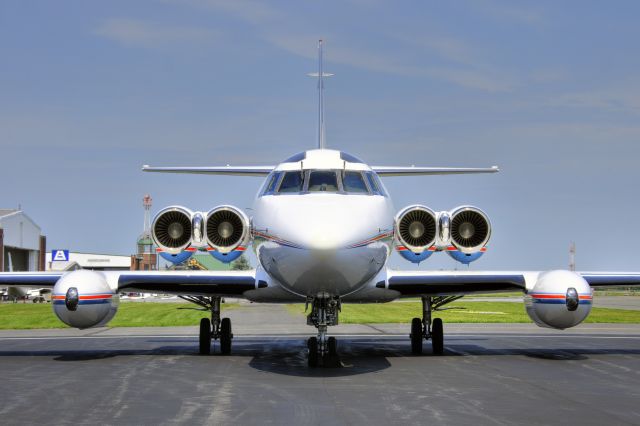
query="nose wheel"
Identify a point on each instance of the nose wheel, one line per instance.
(323, 349)
(425, 329)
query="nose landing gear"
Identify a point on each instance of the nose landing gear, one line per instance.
(324, 313)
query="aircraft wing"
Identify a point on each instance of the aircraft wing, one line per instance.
(201, 283)
(385, 171)
(218, 170)
(29, 279)
(435, 283)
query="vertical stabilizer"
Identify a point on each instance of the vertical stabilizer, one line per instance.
(320, 75)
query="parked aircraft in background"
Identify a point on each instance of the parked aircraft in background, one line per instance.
(323, 228)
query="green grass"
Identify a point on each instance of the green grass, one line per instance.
(461, 312)
(130, 314)
(150, 314)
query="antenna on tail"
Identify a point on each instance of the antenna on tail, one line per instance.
(320, 75)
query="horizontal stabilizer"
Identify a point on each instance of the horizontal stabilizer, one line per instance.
(216, 170)
(385, 171)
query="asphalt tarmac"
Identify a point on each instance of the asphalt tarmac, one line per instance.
(489, 374)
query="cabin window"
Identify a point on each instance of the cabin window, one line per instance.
(323, 181)
(291, 182)
(352, 182)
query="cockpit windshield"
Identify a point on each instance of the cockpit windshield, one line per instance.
(323, 181)
(353, 182)
(292, 182)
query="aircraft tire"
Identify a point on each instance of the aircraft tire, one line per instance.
(225, 336)
(437, 337)
(312, 345)
(332, 346)
(416, 336)
(205, 336)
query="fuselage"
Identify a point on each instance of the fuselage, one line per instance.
(323, 223)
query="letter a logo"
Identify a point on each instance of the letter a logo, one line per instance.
(60, 255)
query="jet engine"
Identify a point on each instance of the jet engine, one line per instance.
(83, 299)
(470, 229)
(416, 232)
(172, 229)
(559, 299)
(228, 232)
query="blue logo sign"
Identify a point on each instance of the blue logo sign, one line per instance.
(59, 255)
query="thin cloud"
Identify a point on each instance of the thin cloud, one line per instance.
(248, 10)
(392, 64)
(137, 33)
(508, 12)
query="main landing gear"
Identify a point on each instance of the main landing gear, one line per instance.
(215, 328)
(425, 329)
(324, 313)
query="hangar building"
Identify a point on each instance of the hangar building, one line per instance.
(22, 245)
(94, 261)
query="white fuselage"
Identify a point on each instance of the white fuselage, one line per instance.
(312, 242)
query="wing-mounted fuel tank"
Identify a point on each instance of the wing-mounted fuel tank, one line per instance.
(463, 233)
(83, 299)
(223, 232)
(228, 233)
(559, 299)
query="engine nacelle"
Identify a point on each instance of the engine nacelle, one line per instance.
(172, 229)
(415, 228)
(464, 258)
(469, 228)
(228, 231)
(83, 299)
(559, 299)
(178, 258)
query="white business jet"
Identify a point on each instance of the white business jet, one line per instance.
(323, 228)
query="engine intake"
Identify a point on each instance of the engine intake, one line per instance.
(227, 228)
(416, 228)
(171, 229)
(470, 229)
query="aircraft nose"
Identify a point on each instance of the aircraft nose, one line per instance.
(336, 226)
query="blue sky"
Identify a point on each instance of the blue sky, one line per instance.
(549, 91)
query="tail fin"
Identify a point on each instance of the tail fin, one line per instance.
(320, 75)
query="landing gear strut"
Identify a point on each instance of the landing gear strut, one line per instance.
(213, 329)
(426, 329)
(324, 313)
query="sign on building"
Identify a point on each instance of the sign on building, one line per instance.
(59, 255)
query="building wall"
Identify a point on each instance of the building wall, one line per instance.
(93, 261)
(1, 250)
(20, 231)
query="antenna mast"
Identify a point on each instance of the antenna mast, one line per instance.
(320, 75)
(572, 256)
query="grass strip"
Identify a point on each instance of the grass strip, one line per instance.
(461, 312)
(130, 314)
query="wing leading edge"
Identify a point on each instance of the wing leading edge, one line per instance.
(197, 283)
(203, 283)
(415, 283)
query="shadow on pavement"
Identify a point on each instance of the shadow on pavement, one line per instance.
(289, 356)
